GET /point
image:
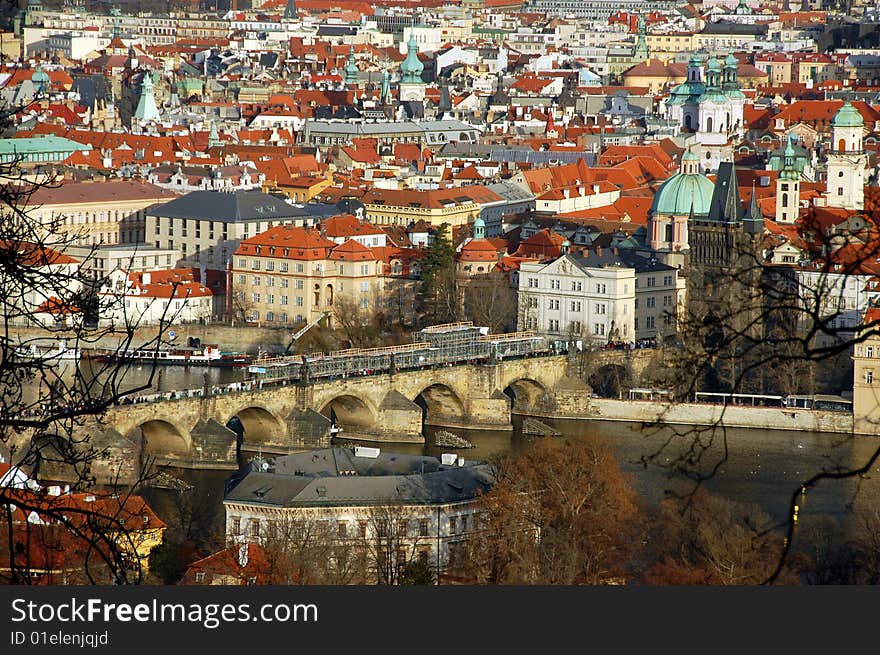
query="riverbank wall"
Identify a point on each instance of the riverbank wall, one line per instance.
(243, 338)
(703, 414)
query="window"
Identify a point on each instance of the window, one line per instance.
(423, 527)
(255, 265)
(600, 288)
(284, 282)
(242, 279)
(533, 283)
(554, 325)
(282, 267)
(236, 525)
(452, 526)
(599, 328)
(342, 269)
(667, 300)
(600, 308)
(270, 281)
(256, 297)
(270, 299)
(869, 377)
(283, 300)
(649, 323)
(342, 529)
(652, 281)
(553, 304)
(365, 286)
(255, 280)
(555, 284)
(667, 280)
(270, 266)
(299, 301)
(576, 286)
(870, 351)
(254, 528)
(299, 268)
(575, 306)
(299, 284)
(650, 301)
(365, 269)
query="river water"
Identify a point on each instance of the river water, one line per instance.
(763, 467)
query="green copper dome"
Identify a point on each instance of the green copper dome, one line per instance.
(731, 61)
(848, 116)
(713, 64)
(411, 68)
(682, 191)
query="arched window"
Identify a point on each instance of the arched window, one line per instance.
(785, 200)
(708, 123)
(668, 238)
(687, 121)
(841, 145)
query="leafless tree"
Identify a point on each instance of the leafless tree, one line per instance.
(489, 301)
(752, 326)
(45, 296)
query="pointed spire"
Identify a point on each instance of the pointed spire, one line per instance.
(754, 213)
(290, 11)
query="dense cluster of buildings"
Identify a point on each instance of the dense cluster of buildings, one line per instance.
(613, 164)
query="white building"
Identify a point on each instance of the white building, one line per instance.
(847, 160)
(602, 296)
(589, 295)
(170, 297)
(361, 497)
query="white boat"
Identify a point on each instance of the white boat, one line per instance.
(60, 352)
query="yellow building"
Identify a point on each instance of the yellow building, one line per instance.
(90, 213)
(288, 275)
(660, 44)
(866, 378)
(456, 206)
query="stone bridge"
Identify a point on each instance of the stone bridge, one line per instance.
(196, 432)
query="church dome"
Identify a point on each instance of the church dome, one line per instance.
(848, 116)
(677, 195)
(411, 68)
(731, 61)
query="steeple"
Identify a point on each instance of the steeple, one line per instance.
(290, 11)
(146, 108)
(550, 128)
(214, 136)
(725, 206)
(351, 69)
(789, 171)
(385, 95)
(411, 68)
(641, 52)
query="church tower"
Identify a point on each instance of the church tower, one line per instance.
(411, 86)
(847, 160)
(788, 186)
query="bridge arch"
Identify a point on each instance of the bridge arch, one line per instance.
(439, 401)
(261, 427)
(162, 438)
(527, 393)
(350, 412)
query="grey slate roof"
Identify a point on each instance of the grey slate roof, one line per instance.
(334, 476)
(228, 207)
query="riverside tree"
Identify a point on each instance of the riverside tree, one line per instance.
(49, 297)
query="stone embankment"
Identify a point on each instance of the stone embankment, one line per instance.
(243, 338)
(704, 414)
